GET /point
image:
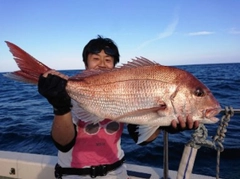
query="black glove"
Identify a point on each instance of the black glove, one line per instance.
(53, 89)
(171, 129)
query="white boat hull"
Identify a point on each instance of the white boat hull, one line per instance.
(35, 166)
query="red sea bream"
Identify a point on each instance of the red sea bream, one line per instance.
(139, 92)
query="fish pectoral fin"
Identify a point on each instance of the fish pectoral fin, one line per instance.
(79, 113)
(140, 112)
(145, 132)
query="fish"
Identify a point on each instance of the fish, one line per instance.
(140, 92)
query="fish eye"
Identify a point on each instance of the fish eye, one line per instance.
(199, 92)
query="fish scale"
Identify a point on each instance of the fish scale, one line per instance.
(136, 99)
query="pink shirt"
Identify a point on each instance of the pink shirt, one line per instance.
(96, 144)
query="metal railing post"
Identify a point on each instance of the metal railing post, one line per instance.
(165, 156)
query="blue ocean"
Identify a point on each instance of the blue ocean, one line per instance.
(26, 119)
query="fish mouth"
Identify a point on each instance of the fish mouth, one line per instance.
(211, 113)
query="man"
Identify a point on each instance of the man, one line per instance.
(89, 150)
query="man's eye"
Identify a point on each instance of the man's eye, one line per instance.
(199, 92)
(108, 60)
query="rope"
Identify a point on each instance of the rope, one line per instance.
(199, 138)
(190, 151)
(219, 137)
(222, 129)
(201, 133)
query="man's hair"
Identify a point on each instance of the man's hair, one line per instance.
(95, 46)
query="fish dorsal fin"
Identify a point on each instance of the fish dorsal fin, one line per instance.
(137, 62)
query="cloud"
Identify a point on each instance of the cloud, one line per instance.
(200, 33)
(168, 31)
(234, 31)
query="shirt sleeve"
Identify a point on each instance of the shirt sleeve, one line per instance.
(67, 147)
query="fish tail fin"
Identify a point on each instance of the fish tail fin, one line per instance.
(30, 68)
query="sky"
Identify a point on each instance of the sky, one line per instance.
(176, 32)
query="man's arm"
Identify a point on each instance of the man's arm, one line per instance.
(52, 86)
(63, 130)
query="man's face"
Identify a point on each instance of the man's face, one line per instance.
(100, 60)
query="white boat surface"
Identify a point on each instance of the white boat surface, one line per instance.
(38, 166)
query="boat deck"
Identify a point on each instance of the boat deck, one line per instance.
(35, 166)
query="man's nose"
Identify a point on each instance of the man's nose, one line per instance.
(102, 64)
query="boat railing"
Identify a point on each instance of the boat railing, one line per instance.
(199, 139)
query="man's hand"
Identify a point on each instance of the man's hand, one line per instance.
(52, 86)
(181, 125)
